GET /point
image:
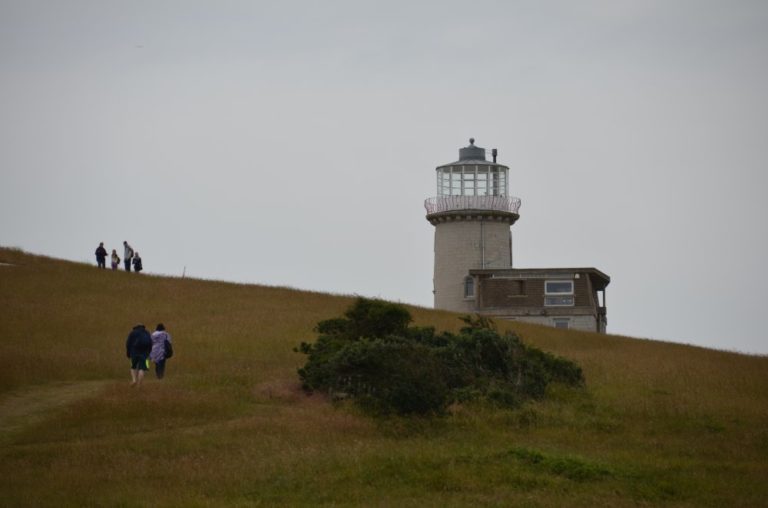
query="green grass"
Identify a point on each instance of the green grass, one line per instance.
(658, 424)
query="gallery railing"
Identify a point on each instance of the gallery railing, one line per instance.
(454, 203)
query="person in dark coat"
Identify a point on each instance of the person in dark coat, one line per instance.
(101, 256)
(137, 266)
(137, 348)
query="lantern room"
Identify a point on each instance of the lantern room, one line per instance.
(472, 175)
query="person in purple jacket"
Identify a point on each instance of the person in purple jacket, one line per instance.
(159, 349)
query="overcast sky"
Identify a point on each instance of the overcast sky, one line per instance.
(294, 142)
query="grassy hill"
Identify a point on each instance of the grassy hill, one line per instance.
(658, 424)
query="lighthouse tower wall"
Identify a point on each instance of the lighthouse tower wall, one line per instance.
(461, 244)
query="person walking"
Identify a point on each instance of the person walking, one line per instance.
(137, 348)
(101, 256)
(127, 255)
(115, 260)
(137, 262)
(160, 351)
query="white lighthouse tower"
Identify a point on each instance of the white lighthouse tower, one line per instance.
(472, 214)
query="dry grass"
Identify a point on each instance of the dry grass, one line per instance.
(658, 423)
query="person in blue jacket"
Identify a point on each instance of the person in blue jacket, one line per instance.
(137, 348)
(101, 256)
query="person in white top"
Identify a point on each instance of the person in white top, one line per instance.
(127, 255)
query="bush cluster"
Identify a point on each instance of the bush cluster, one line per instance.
(375, 357)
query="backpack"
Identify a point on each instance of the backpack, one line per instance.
(168, 349)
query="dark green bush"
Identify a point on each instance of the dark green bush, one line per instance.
(393, 377)
(373, 356)
(376, 318)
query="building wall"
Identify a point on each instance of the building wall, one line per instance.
(520, 295)
(528, 292)
(585, 323)
(458, 249)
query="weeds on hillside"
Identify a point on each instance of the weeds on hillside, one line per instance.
(661, 424)
(388, 367)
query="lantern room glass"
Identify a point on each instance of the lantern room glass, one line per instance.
(472, 180)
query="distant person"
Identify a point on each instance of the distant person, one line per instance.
(115, 260)
(137, 262)
(160, 350)
(127, 255)
(101, 256)
(137, 348)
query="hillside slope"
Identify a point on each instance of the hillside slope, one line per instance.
(658, 423)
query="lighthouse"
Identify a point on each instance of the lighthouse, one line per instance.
(472, 212)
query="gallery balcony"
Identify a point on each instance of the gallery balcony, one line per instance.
(444, 207)
(453, 203)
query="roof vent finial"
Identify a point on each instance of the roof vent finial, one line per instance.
(471, 152)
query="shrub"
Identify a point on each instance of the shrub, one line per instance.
(393, 377)
(373, 356)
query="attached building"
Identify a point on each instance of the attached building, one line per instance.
(559, 297)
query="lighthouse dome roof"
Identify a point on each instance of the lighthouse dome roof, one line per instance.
(473, 155)
(471, 152)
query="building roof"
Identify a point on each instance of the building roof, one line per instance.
(473, 155)
(472, 162)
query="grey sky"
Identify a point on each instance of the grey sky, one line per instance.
(293, 143)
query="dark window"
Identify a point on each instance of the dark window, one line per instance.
(558, 287)
(469, 287)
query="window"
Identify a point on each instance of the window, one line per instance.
(443, 183)
(493, 183)
(558, 293)
(469, 184)
(561, 322)
(475, 180)
(469, 287)
(456, 181)
(482, 181)
(558, 287)
(558, 301)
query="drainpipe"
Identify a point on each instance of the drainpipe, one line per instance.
(482, 243)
